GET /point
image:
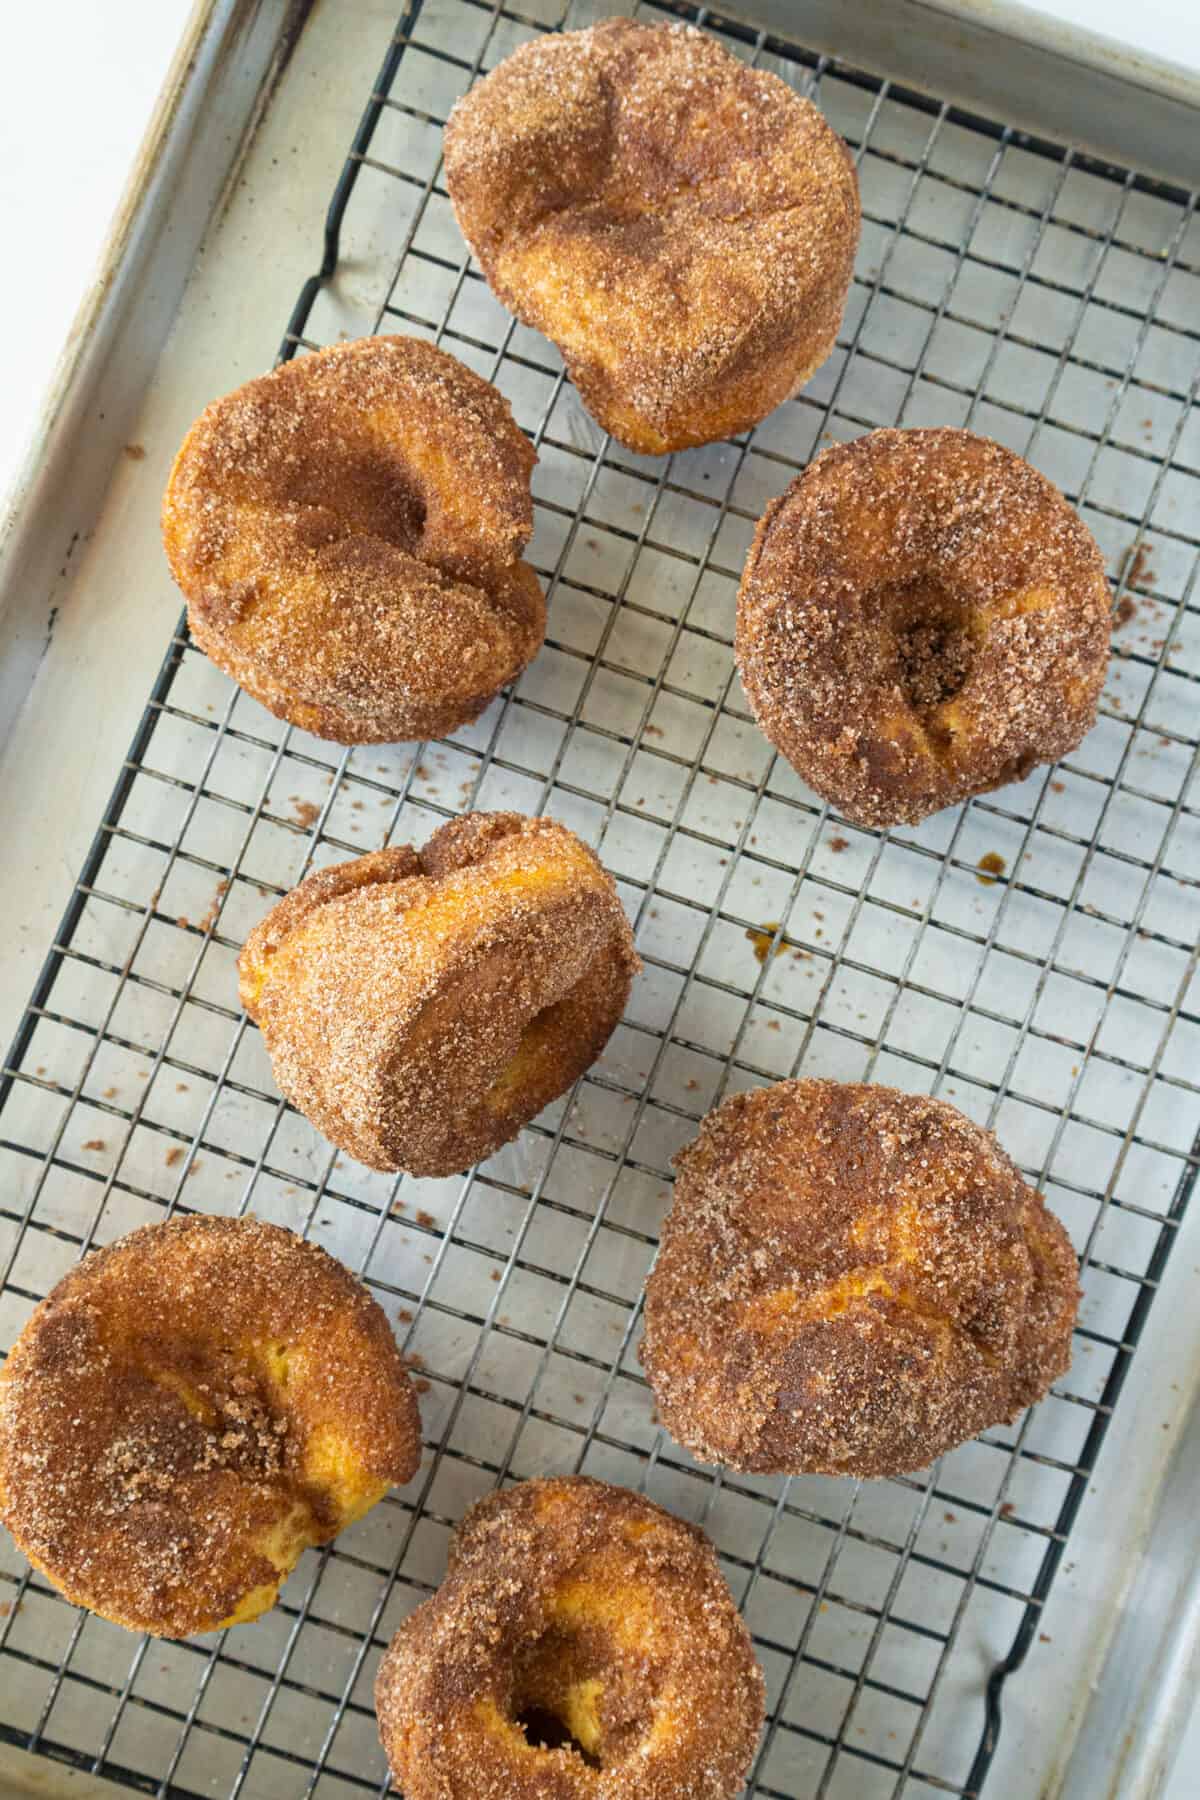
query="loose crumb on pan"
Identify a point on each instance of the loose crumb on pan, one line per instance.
(763, 939)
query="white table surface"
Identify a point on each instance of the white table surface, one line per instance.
(78, 84)
(1164, 28)
(100, 68)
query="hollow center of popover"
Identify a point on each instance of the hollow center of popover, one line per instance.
(199, 1409)
(367, 486)
(535, 1043)
(575, 1688)
(934, 644)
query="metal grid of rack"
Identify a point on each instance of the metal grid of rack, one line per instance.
(1002, 283)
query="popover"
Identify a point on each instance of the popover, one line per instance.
(681, 226)
(347, 532)
(421, 1006)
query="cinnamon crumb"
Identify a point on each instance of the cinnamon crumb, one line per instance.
(214, 906)
(1135, 568)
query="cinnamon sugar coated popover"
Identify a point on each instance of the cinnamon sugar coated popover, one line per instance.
(681, 226)
(420, 1006)
(852, 1280)
(922, 617)
(584, 1646)
(347, 532)
(188, 1411)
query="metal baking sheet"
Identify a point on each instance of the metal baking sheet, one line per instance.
(1003, 283)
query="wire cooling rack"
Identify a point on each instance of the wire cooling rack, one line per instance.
(1002, 283)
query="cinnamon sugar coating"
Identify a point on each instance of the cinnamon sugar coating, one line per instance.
(420, 1006)
(583, 1646)
(922, 617)
(347, 532)
(852, 1281)
(681, 226)
(187, 1411)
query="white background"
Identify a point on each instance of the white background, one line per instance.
(78, 83)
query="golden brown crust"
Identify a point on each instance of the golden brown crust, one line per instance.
(922, 617)
(574, 1602)
(420, 1007)
(852, 1280)
(347, 532)
(682, 227)
(187, 1410)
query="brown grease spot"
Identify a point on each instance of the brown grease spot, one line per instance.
(763, 938)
